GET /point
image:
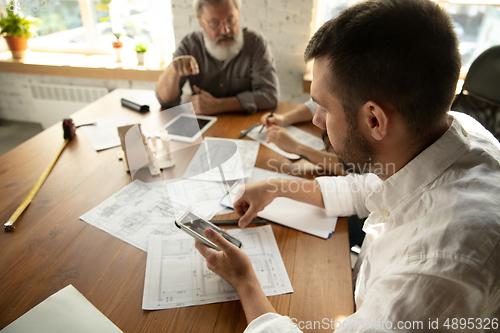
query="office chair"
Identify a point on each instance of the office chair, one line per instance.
(480, 95)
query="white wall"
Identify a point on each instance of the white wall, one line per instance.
(17, 103)
(286, 25)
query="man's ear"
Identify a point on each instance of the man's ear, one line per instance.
(376, 119)
(199, 22)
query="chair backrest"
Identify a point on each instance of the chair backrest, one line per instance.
(480, 95)
(483, 78)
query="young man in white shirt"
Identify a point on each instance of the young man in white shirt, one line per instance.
(384, 76)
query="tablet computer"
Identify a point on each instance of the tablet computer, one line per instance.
(188, 127)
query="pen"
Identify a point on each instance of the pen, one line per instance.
(272, 112)
(88, 124)
(245, 132)
(235, 221)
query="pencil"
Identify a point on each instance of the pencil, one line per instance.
(235, 221)
(245, 132)
(272, 112)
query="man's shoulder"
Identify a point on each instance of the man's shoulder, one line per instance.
(195, 37)
(253, 37)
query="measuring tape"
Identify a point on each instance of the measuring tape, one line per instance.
(69, 133)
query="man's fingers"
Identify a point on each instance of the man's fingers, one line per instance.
(218, 240)
(194, 66)
(247, 217)
(263, 119)
(204, 250)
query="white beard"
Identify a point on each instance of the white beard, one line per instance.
(224, 53)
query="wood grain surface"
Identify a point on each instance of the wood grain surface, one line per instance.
(51, 248)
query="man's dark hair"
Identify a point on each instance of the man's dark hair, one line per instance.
(401, 52)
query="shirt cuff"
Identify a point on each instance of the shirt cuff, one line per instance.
(247, 101)
(272, 323)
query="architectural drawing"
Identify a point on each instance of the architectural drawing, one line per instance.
(177, 275)
(143, 209)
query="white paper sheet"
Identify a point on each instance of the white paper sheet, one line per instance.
(237, 158)
(142, 209)
(63, 312)
(298, 134)
(177, 274)
(104, 133)
(294, 214)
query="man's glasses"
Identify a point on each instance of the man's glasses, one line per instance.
(216, 24)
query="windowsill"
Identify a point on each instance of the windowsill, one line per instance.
(81, 65)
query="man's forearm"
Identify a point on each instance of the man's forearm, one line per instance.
(168, 85)
(298, 115)
(228, 104)
(307, 191)
(253, 300)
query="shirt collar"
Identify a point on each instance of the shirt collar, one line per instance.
(420, 171)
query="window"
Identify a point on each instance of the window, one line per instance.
(87, 26)
(477, 23)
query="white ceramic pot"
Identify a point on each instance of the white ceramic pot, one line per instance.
(140, 58)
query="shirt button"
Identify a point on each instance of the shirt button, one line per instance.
(465, 132)
(385, 213)
(221, 84)
(371, 238)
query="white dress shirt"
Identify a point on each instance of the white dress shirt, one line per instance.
(430, 258)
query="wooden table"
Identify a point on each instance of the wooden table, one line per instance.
(51, 248)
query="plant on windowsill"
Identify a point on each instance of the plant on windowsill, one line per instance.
(140, 49)
(16, 30)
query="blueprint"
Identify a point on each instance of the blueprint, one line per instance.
(298, 134)
(177, 274)
(143, 209)
(235, 157)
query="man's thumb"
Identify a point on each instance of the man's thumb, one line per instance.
(218, 240)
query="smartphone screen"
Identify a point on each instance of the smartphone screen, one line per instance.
(197, 225)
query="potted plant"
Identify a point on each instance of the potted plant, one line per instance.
(16, 31)
(117, 46)
(140, 49)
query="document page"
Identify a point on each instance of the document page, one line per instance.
(291, 213)
(65, 311)
(177, 274)
(104, 133)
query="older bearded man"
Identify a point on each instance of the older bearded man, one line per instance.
(229, 68)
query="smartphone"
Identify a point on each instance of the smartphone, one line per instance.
(195, 226)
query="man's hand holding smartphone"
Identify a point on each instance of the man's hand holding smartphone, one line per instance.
(231, 263)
